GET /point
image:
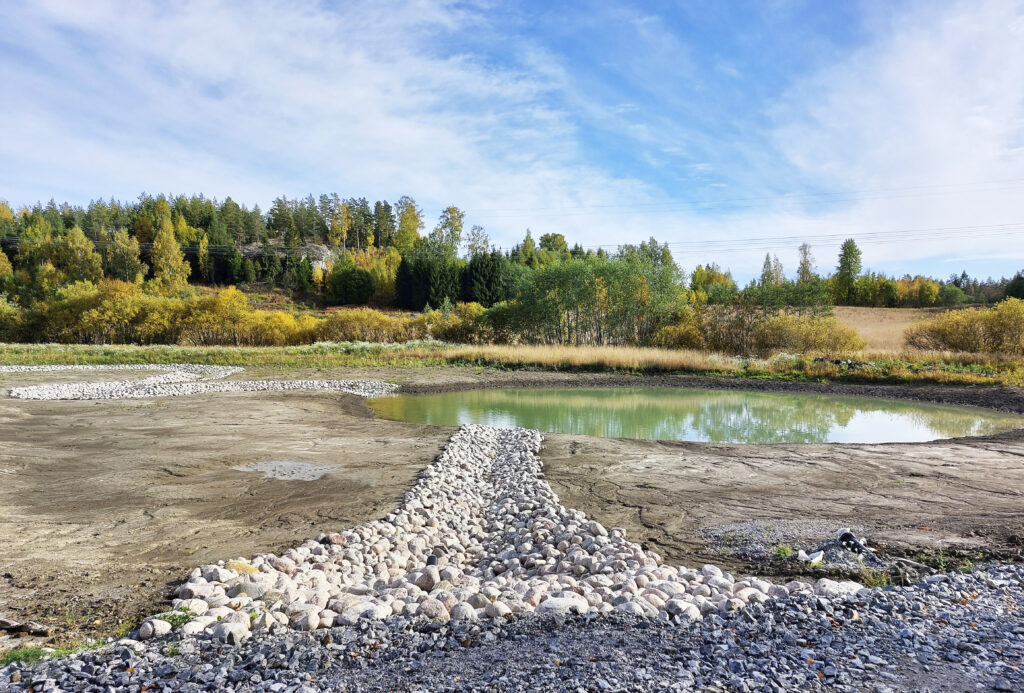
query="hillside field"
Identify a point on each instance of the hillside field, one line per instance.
(883, 328)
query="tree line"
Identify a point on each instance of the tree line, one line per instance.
(347, 252)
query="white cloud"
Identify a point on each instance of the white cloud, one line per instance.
(258, 99)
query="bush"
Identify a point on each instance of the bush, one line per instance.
(999, 329)
(369, 325)
(805, 334)
(743, 330)
(349, 285)
(462, 324)
(10, 320)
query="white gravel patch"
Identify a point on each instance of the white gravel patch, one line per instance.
(175, 380)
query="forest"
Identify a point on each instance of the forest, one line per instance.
(164, 270)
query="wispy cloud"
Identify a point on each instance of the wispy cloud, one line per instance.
(607, 123)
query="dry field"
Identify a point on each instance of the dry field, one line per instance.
(883, 328)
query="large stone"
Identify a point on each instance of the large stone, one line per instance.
(433, 609)
(566, 604)
(230, 633)
(429, 578)
(154, 628)
(463, 611)
(497, 609)
(305, 620)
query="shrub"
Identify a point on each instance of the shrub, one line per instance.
(999, 329)
(349, 285)
(804, 334)
(741, 329)
(369, 325)
(462, 324)
(11, 319)
(686, 334)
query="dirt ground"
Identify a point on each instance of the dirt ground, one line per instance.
(883, 328)
(104, 505)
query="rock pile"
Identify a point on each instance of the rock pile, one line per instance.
(176, 380)
(481, 536)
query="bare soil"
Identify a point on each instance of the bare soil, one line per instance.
(105, 505)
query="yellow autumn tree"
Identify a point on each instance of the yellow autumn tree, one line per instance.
(170, 271)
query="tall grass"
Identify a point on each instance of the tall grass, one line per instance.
(880, 367)
(594, 358)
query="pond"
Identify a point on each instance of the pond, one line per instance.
(722, 416)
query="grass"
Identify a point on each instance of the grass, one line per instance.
(869, 577)
(784, 551)
(882, 328)
(23, 654)
(898, 367)
(34, 654)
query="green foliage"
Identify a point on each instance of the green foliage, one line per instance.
(349, 285)
(1014, 289)
(847, 271)
(744, 329)
(446, 237)
(122, 259)
(10, 320)
(951, 295)
(178, 617)
(871, 578)
(488, 279)
(623, 300)
(715, 285)
(22, 654)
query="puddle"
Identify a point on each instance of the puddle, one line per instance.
(721, 416)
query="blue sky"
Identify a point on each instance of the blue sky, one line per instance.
(704, 124)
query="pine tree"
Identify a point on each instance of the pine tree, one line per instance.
(248, 271)
(235, 265)
(847, 271)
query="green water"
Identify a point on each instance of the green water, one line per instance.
(657, 413)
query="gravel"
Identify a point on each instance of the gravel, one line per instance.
(175, 380)
(481, 579)
(958, 632)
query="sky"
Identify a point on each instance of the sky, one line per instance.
(727, 129)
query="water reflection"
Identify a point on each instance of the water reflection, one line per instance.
(699, 415)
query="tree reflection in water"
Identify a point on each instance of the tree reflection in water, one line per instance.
(656, 413)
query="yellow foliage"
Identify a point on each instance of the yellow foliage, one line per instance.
(10, 320)
(5, 265)
(999, 329)
(461, 325)
(382, 264)
(369, 325)
(804, 334)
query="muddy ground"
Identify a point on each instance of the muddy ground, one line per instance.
(105, 505)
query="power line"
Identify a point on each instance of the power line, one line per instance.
(727, 245)
(704, 203)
